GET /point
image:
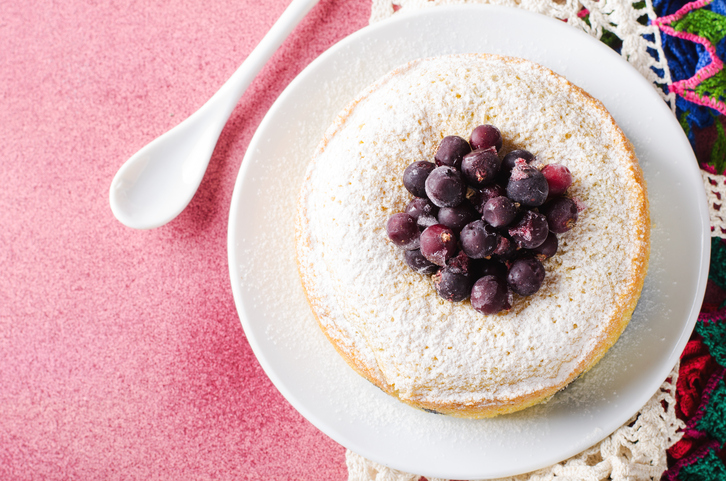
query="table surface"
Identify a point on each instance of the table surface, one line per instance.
(121, 352)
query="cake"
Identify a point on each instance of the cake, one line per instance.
(387, 321)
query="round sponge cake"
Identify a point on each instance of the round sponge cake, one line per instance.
(387, 321)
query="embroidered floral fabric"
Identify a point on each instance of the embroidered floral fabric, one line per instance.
(680, 47)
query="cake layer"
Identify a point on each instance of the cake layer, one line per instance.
(387, 321)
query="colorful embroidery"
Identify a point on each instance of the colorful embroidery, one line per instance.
(701, 391)
(694, 43)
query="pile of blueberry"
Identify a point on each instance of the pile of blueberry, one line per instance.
(481, 224)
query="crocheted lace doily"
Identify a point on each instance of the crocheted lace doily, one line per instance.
(716, 194)
(637, 450)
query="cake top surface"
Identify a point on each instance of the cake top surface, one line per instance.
(371, 304)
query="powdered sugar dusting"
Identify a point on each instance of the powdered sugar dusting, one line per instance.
(430, 350)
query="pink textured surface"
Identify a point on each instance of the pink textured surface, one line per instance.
(121, 353)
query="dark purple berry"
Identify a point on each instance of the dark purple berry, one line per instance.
(451, 150)
(490, 295)
(480, 167)
(415, 175)
(438, 244)
(527, 185)
(478, 239)
(460, 263)
(484, 194)
(418, 263)
(420, 206)
(561, 214)
(548, 248)
(506, 248)
(423, 211)
(453, 281)
(445, 187)
(525, 276)
(499, 211)
(530, 230)
(558, 178)
(510, 159)
(485, 137)
(403, 231)
(425, 221)
(457, 217)
(488, 267)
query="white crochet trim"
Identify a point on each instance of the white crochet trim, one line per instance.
(635, 452)
(617, 16)
(716, 193)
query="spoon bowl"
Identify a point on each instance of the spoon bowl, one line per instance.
(157, 183)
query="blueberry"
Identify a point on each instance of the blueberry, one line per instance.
(453, 281)
(418, 263)
(485, 137)
(423, 211)
(490, 295)
(499, 211)
(403, 231)
(480, 167)
(526, 276)
(510, 159)
(457, 217)
(483, 195)
(438, 244)
(451, 150)
(530, 230)
(506, 248)
(478, 239)
(425, 221)
(488, 267)
(548, 248)
(561, 214)
(445, 187)
(527, 185)
(420, 206)
(415, 175)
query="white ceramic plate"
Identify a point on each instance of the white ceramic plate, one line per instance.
(310, 374)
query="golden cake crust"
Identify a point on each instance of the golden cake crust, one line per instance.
(413, 355)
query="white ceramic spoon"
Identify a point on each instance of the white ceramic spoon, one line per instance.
(159, 181)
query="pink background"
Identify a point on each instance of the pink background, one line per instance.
(121, 353)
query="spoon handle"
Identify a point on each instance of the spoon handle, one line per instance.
(223, 102)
